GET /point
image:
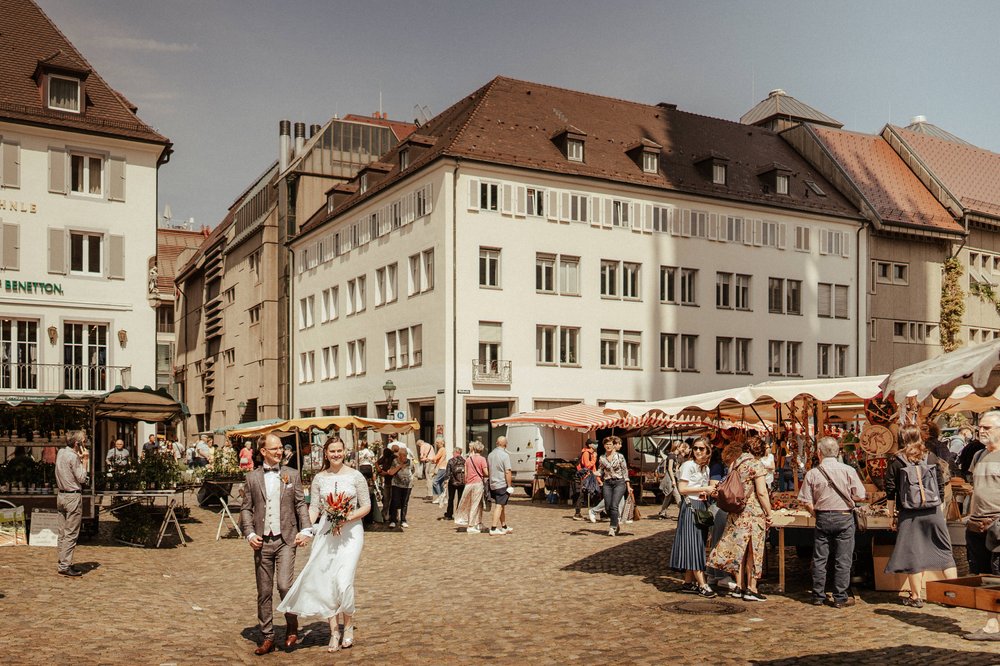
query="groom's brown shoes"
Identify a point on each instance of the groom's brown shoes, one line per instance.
(265, 647)
(291, 631)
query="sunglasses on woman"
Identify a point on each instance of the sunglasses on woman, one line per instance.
(699, 448)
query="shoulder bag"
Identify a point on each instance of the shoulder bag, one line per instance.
(860, 518)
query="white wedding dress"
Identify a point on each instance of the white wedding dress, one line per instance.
(325, 586)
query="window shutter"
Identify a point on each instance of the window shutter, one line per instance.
(11, 247)
(57, 170)
(609, 213)
(57, 251)
(758, 232)
(747, 231)
(845, 249)
(429, 200)
(686, 224)
(840, 301)
(713, 226)
(782, 235)
(565, 211)
(519, 200)
(116, 184)
(473, 194)
(647, 218)
(507, 202)
(552, 211)
(675, 222)
(595, 211)
(116, 257)
(11, 167)
(635, 216)
(824, 241)
(407, 209)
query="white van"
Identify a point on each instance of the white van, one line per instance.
(529, 445)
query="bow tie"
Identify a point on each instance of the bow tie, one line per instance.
(270, 469)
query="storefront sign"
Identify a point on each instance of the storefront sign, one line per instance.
(18, 206)
(19, 287)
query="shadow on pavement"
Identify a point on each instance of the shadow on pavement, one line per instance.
(87, 567)
(936, 623)
(648, 558)
(916, 654)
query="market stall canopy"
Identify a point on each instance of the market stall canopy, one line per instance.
(585, 418)
(384, 426)
(140, 404)
(976, 365)
(246, 425)
(965, 399)
(740, 402)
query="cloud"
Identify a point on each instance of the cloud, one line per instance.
(136, 44)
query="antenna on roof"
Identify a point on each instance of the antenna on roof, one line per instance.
(423, 113)
(380, 100)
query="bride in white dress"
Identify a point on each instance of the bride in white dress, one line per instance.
(325, 587)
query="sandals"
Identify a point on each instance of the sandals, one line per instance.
(913, 602)
(348, 637)
(334, 641)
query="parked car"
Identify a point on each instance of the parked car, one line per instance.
(530, 445)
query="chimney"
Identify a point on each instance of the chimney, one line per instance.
(300, 138)
(313, 129)
(284, 143)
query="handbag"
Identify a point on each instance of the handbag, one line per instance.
(703, 518)
(860, 518)
(732, 496)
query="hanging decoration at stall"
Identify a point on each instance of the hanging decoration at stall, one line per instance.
(877, 440)
(880, 411)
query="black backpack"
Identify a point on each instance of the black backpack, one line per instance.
(457, 465)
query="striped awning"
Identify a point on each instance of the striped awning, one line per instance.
(580, 417)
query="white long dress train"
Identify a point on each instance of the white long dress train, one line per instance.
(325, 586)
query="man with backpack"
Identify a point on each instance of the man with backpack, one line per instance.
(981, 536)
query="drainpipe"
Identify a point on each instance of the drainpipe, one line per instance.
(454, 303)
(861, 289)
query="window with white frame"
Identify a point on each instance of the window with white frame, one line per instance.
(650, 162)
(569, 345)
(668, 351)
(86, 253)
(329, 366)
(620, 213)
(775, 357)
(824, 359)
(832, 300)
(742, 292)
(840, 360)
(833, 242)
(535, 202)
(19, 354)
(609, 278)
(422, 201)
(733, 231)
(489, 267)
(379, 286)
(781, 184)
(802, 238)
(661, 219)
(689, 350)
(404, 159)
(793, 356)
(413, 283)
(793, 297)
(545, 341)
(86, 174)
(699, 224)
(545, 273)
(569, 275)
(577, 208)
(742, 365)
(769, 233)
(361, 361)
(724, 291)
(306, 367)
(352, 289)
(490, 340)
(396, 214)
(360, 294)
(254, 314)
(390, 350)
(391, 283)
(723, 355)
(668, 284)
(64, 93)
(403, 359)
(306, 306)
(689, 280)
(609, 348)
(85, 356)
(427, 272)
(574, 150)
(630, 280)
(632, 350)
(363, 183)
(416, 345)
(719, 174)
(489, 196)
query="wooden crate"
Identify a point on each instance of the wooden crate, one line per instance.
(979, 592)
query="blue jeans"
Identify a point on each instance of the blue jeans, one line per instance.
(614, 491)
(438, 486)
(837, 529)
(786, 481)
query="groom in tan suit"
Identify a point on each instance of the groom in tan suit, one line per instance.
(275, 519)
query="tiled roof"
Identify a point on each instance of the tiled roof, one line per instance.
(920, 124)
(30, 40)
(885, 181)
(170, 245)
(512, 123)
(781, 104)
(970, 173)
(400, 129)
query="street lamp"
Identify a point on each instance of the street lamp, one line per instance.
(390, 391)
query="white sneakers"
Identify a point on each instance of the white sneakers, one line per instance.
(404, 524)
(611, 532)
(392, 525)
(591, 516)
(472, 530)
(497, 531)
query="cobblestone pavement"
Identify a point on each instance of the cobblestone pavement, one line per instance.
(553, 591)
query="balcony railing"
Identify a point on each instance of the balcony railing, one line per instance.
(56, 378)
(490, 372)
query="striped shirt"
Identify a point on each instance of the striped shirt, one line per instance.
(612, 468)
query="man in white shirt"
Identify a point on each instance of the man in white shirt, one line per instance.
(500, 486)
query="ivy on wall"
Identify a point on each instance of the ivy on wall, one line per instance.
(952, 304)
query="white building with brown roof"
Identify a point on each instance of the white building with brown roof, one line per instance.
(78, 183)
(533, 246)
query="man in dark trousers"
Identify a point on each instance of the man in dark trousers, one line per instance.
(275, 519)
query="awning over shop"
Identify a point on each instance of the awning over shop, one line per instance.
(247, 425)
(141, 404)
(384, 426)
(976, 365)
(580, 417)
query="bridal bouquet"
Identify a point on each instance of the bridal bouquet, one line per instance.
(336, 507)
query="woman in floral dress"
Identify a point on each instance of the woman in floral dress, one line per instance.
(741, 549)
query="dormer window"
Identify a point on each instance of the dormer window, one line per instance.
(574, 150)
(363, 183)
(650, 162)
(719, 174)
(64, 93)
(781, 184)
(570, 141)
(404, 159)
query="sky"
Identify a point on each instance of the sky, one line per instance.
(216, 76)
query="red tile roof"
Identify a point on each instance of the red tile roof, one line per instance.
(170, 245)
(30, 41)
(969, 173)
(512, 123)
(893, 190)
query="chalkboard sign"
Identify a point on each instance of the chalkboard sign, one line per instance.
(44, 528)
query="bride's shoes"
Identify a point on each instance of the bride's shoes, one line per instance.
(335, 640)
(348, 637)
